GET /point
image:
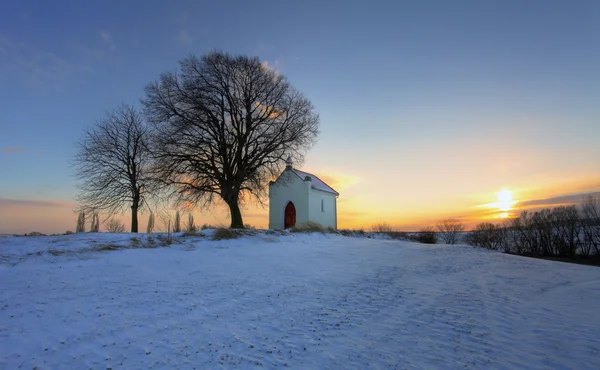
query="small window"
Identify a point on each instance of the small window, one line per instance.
(322, 205)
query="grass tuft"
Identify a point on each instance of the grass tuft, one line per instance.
(308, 227)
(225, 233)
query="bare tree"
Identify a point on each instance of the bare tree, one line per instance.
(150, 226)
(80, 221)
(95, 222)
(486, 235)
(223, 126)
(177, 223)
(115, 226)
(112, 165)
(449, 230)
(191, 226)
(590, 214)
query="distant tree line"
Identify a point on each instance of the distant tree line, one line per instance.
(565, 231)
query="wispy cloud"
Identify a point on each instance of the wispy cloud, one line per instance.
(556, 201)
(33, 203)
(10, 149)
(32, 65)
(108, 39)
(184, 38)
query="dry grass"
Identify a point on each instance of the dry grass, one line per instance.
(382, 228)
(308, 227)
(225, 233)
(106, 247)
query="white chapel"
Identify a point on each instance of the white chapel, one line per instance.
(298, 197)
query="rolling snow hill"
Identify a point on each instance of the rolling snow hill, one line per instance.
(297, 300)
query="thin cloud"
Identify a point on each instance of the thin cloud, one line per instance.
(9, 149)
(33, 65)
(108, 39)
(556, 201)
(184, 38)
(33, 203)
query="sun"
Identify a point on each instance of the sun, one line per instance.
(504, 203)
(505, 200)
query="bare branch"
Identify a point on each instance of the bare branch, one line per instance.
(222, 127)
(113, 165)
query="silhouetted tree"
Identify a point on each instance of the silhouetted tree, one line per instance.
(150, 226)
(95, 222)
(80, 222)
(486, 235)
(177, 223)
(112, 165)
(590, 220)
(223, 126)
(191, 226)
(115, 226)
(449, 230)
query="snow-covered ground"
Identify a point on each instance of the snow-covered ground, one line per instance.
(298, 300)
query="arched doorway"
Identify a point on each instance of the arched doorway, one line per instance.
(289, 216)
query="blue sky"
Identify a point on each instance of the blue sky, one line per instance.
(436, 104)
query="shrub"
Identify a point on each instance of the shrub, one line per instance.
(450, 230)
(36, 233)
(486, 235)
(427, 236)
(381, 228)
(115, 226)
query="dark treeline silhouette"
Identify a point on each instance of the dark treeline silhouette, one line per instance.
(565, 231)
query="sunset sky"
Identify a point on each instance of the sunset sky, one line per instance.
(429, 109)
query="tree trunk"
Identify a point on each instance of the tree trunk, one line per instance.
(134, 218)
(236, 215)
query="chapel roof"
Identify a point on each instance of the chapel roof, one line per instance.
(316, 183)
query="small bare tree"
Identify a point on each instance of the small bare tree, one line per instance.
(95, 223)
(115, 226)
(112, 165)
(486, 235)
(450, 230)
(223, 127)
(590, 214)
(150, 226)
(177, 223)
(191, 226)
(80, 222)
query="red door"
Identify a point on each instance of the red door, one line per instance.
(290, 216)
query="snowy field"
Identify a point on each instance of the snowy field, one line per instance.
(306, 301)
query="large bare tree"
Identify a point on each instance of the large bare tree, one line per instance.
(112, 165)
(223, 126)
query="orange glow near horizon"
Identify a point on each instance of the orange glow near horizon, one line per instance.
(364, 201)
(504, 204)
